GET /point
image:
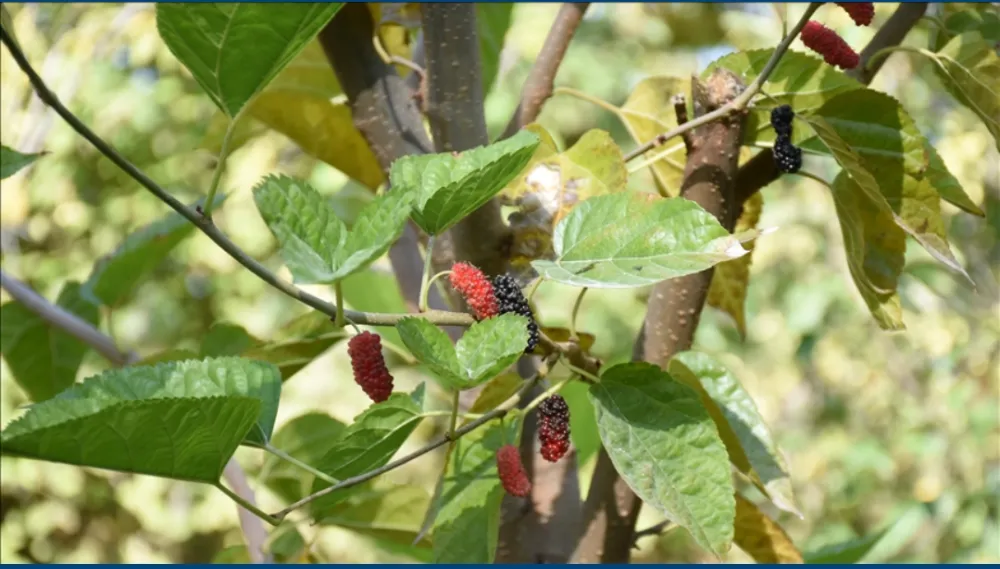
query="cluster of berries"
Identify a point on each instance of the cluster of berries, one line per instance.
(833, 48)
(553, 433)
(488, 298)
(787, 156)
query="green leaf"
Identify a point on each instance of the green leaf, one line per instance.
(492, 22)
(385, 511)
(306, 438)
(43, 359)
(293, 355)
(235, 50)
(766, 465)
(875, 247)
(801, 80)
(367, 444)
(630, 240)
(11, 161)
(889, 146)
(969, 67)
(582, 421)
(946, 184)
(316, 245)
(448, 188)
(179, 420)
(468, 519)
(116, 274)
(666, 447)
(484, 350)
(224, 339)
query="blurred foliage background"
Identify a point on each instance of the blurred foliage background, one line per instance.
(891, 433)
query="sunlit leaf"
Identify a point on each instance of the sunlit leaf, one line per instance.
(385, 510)
(629, 240)
(648, 112)
(235, 50)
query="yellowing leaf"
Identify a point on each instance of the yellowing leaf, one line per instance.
(728, 291)
(649, 112)
(761, 537)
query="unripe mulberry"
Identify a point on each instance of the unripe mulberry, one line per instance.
(827, 43)
(787, 157)
(781, 119)
(368, 364)
(553, 427)
(861, 12)
(477, 290)
(512, 475)
(511, 299)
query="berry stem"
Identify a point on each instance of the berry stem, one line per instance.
(277, 452)
(424, 292)
(425, 279)
(246, 505)
(548, 392)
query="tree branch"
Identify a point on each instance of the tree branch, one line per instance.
(206, 225)
(760, 170)
(454, 106)
(538, 86)
(496, 413)
(66, 321)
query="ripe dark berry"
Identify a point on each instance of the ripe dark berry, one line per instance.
(861, 12)
(477, 290)
(827, 43)
(368, 364)
(511, 299)
(553, 427)
(511, 472)
(781, 119)
(787, 157)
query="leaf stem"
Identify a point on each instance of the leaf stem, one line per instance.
(500, 411)
(273, 520)
(441, 318)
(338, 292)
(585, 97)
(453, 422)
(220, 166)
(572, 318)
(740, 102)
(425, 276)
(399, 351)
(277, 452)
(886, 51)
(582, 372)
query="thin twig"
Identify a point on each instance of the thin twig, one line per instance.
(655, 529)
(739, 103)
(538, 86)
(500, 411)
(66, 321)
(442, 318)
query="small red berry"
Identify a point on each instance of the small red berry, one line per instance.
(827, 43)
(861, 12)
(512, 475)
(368, 364)
(553, 428)
(476, 288)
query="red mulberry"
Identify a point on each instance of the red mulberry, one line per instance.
(861, 12)
(553, 428)
(476, 288)
(827, 43)
(511, 299)
(368, 364)
(512, 475)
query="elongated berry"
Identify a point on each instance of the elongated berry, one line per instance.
(477, 290)
(861, 12)
(510, 299)
(827, 43)
(553, 427)
(511, 472)
(368, 364)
